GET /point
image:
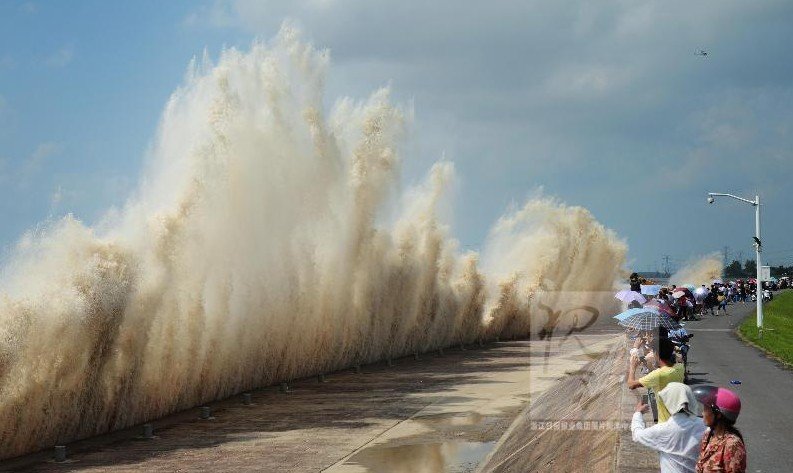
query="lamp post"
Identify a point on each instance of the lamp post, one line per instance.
(757, 245)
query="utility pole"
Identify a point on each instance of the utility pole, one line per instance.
(726, 251)
(667, 273)
(758, 249)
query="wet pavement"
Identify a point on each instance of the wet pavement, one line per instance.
(440, 413)
(451, 456)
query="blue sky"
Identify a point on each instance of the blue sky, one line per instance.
(603, 105)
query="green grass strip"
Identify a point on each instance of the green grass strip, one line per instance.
(778, 323)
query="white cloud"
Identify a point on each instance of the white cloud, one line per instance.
(218, 14)
(61, 57)
(253, 14)
(583, 81)
(4, 174)
(56, 197)
(524, 92)
(35, 161)
(28, 7)
(5, 119)
(7, 62)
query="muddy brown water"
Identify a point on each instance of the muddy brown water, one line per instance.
(450, 456)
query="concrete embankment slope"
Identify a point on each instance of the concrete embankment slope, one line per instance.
(580, 424)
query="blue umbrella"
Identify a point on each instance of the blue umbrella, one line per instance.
(646, 318)
(635, 311)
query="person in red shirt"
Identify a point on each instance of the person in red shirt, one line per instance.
(682, 308)
(722, 448)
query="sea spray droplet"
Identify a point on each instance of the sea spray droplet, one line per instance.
(260, 249)
(700, 271)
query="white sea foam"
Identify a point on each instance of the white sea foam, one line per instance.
(702, 270)
(256, 251)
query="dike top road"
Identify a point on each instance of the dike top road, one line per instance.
(718, 357)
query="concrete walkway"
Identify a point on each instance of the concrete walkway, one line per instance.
(443, 412)
(766, 390)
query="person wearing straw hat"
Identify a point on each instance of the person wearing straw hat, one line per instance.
(678, 439)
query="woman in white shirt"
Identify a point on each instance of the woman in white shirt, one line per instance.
(678, 439)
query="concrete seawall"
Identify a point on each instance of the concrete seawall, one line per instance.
(580, 424)
(446, 411)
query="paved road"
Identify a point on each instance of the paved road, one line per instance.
(766, 390)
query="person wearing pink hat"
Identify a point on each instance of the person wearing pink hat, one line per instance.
(722, 448)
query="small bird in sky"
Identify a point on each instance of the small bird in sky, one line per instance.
(701, 52)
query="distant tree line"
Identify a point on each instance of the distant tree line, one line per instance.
(749, 270)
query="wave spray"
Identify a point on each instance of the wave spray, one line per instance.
(260, 248)
(702, 270)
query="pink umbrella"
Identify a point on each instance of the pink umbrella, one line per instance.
(661, 306)
(630, 296)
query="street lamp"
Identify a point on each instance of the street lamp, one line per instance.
(757, 245)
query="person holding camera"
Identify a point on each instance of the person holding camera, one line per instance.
(677, 440)
(667, 372)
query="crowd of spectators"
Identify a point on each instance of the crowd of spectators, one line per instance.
(695, 429)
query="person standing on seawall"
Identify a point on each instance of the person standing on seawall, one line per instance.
(636, 283)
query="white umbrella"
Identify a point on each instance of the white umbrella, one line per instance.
(630, 296)
(651, 289)
(699, 294)
(646, 318)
